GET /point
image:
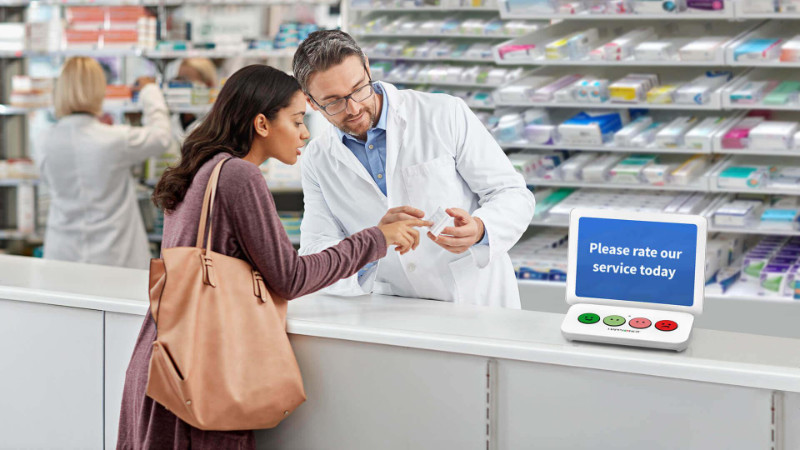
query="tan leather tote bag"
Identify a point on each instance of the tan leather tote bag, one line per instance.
(222, 359)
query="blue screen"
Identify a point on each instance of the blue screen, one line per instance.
(633, 260)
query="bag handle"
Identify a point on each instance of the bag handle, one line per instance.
(208, 207)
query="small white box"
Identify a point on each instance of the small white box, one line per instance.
(701, 136)
(598, 169)
(772, 135)
(624, 137)
(672, 135)
(703, 49)
(655, 51)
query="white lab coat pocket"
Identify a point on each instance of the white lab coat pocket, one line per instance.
(467, 280)
(433, 184)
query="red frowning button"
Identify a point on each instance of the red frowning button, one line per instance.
(666, 325)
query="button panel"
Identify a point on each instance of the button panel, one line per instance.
(639, 323)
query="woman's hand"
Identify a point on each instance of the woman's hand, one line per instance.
(403, 234)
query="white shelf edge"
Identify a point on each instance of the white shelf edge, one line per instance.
(605, 63)
(436, 36)
(443, 83)
(5, 182)
(697, 186)
(411, 9)
(681, 151)
(680, 16)
(19, 235)
(723, 297)
(374, 57)
(612, 105)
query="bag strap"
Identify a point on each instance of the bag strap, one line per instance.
(208, 208)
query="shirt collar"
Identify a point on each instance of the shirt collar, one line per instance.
(381, 125)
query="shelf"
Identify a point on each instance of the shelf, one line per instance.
(374, 57)
(155, 54)
(758, 229)
(760, 64)
(745, 151)
(202, 53)
(294, 239)
(606, 63)
(610, 149)
(739, 291)
(750, 107)
(94, 53)
(14, 110)
(5, 182)
(443, 83)
(711, 106)
(722, 15)
(766, 190)
(766, 16)
(435, 36)
(19, 236)
(154, 237)
(697, 186)
(10, 55)
(412, 9)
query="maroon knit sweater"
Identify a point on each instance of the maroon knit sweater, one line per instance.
(246, 226)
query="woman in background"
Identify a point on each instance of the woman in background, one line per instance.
(86, 165)
(197, 71)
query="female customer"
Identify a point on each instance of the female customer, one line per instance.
(258, 115)
(86, 165)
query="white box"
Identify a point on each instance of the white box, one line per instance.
(703, 49)
(671, 136)
(772, 135)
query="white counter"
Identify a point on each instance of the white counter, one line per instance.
(713, 356)
(721, 358)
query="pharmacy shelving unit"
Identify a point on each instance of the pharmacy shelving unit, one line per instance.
(737, 21)
(359, 12)
(14, 119)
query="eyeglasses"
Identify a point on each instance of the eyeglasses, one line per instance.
(337, 106)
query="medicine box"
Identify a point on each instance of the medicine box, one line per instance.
(773, 135)
(738, 177)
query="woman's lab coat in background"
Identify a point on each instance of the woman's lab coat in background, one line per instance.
(438, 155)
(86, 165)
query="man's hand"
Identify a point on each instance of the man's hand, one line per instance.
(401, 213)
(467, 232)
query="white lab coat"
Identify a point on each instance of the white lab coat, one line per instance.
(94, 215)
(438, 155)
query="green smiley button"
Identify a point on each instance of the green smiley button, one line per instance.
(614, 321)
(588, 318)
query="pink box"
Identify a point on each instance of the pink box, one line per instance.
(737, 136)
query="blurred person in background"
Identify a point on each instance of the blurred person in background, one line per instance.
(86, 165)
(200, 71)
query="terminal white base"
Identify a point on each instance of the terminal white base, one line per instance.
(637, 327)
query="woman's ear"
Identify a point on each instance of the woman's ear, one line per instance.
(261, 125)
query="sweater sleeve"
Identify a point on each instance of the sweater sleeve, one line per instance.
(266, 245)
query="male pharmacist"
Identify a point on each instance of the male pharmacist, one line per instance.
(393, 155)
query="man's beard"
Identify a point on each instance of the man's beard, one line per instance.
(373, 120)
(351, 132)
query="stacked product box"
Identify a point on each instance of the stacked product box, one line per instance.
(541, 257)
(774, 265)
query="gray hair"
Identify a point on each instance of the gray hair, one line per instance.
(322, 50)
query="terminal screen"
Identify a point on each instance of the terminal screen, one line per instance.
(632, 260)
